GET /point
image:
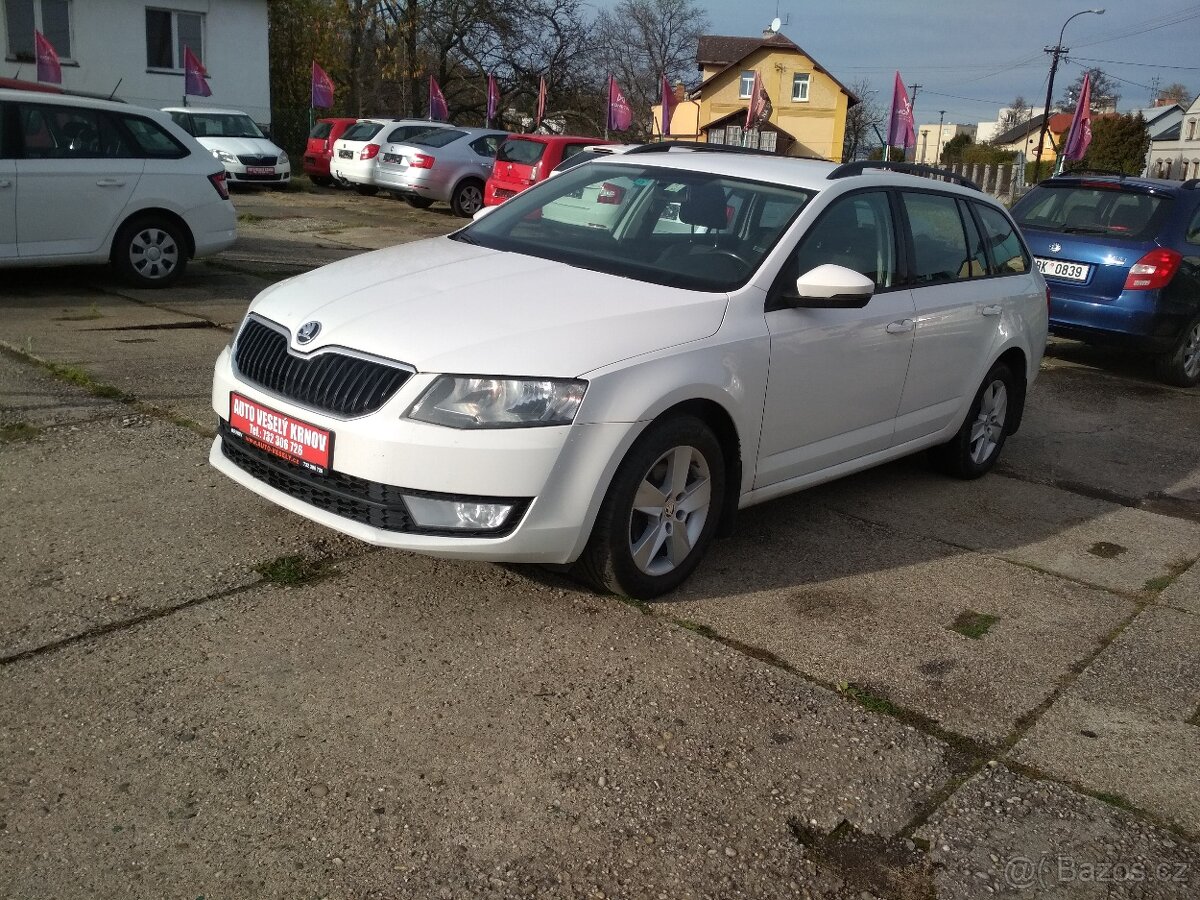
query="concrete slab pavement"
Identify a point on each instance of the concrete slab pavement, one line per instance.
(846, 601)
(1130, 726)
(422, 729)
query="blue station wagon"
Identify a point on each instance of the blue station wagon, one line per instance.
(1121, 256)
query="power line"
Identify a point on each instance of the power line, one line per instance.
(1117, 62)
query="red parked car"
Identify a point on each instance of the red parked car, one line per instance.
(320, 148)
(526, 159)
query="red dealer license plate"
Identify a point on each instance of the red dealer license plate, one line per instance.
(260, 170)
(298, 442)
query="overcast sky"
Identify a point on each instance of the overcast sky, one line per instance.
(972, 57)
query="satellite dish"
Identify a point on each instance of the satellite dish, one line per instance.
(775, 23)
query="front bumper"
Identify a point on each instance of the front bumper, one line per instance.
(556, 475)
(238, 174)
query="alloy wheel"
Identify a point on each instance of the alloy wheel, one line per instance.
(1191, 352)
(988, 427)
(669, 510)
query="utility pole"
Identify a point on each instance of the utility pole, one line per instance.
(1057, 51)
(941, 118)
(912, 109)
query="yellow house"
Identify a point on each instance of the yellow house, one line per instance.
(808, 105)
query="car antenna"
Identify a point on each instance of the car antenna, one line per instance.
(114, 90)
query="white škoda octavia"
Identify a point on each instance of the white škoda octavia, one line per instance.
(546, 386)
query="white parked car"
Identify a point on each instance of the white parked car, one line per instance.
(447, 164)
(248, 155)
(92, 181)
(539, 391)
(356, 152)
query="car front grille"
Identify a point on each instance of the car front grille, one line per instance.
(369, 502)
(250, 160)
(331, 382)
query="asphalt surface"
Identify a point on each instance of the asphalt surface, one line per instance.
(893, 686)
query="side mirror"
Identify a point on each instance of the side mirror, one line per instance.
(482, 211)
(830, 287)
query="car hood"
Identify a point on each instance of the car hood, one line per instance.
(445, 306)
(241, 146)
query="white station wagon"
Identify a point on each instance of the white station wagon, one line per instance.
(539, 389)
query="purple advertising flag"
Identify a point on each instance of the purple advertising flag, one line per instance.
(759, 109)
(620, 113)
(541, 103)
(438, 111)
(493, 99)
(1080, 135)
(322, 88)
(668, 105)
(48, 68)
(195, 76)
(901, 132)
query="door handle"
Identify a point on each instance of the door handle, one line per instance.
(902, 327)
(111, 182)
(4, 182)
(993, 310)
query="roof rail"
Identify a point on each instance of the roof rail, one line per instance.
(1113, 173)
(857, 168)
(665, 146)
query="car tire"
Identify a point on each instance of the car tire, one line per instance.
(418, 202)
(1181, 367)
(366, 190)
(644, 549)
(150, 252)
(976, 446)
(467, 198)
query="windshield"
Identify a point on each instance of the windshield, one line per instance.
(678, 228)
(519, 150)
(1091, 209)
(237, 125)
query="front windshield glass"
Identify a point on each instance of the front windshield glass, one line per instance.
(665, 226)
(238, 125)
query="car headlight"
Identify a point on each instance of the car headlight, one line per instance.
(459, 401)
(224, 156)
(283, 157)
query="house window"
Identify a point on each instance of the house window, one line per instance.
(167, 33)
(1191, 129)
(747, 85)
(51, 17)
(800, 87)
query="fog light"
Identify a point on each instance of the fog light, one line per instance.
(468, 515)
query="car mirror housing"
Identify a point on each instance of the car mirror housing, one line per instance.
(830, 287)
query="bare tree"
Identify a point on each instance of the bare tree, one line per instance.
(1105, 92)
(1017, 113)
(639, 41)
(863, 120)
(1174, 93)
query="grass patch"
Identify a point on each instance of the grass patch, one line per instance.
(1115, 800)
(291, 570)
(973, 624)
(869, 700)
(92, 312)
(250, 218)
(703, 630)
(15, 432)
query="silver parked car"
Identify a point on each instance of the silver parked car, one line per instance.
(451, 165)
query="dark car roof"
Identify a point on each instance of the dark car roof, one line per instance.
(1136, 182)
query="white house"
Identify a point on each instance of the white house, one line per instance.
(1176, 153)
(136, 48)
(933, 137)
(1006, 119)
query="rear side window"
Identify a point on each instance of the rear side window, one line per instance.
(1008, 256)
(1193, 232)
(523, 152)
(939, 242)
(1090, 209)
(439, 138)
(362, 131)
(487, 145)
(404, 133)
(152, 140)
(65, 132)
(321, 131)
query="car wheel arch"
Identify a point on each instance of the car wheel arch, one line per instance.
(1017, 362)
(149, 212)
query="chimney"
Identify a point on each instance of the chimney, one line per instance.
(768, 33)
(679, 91)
